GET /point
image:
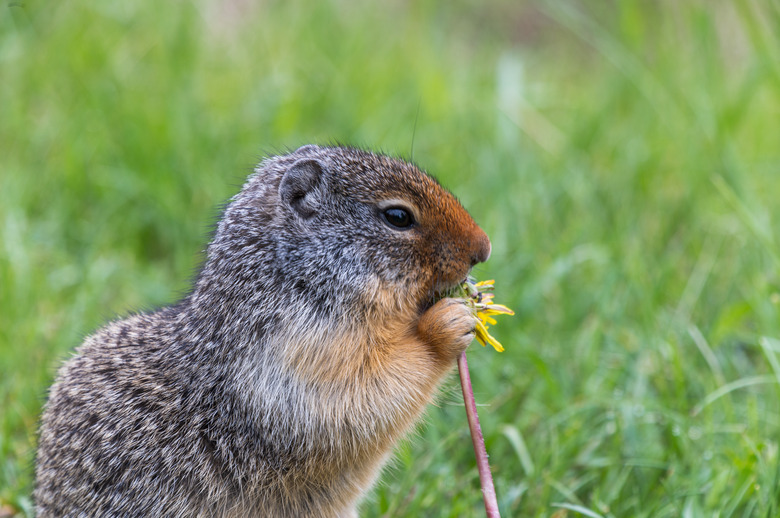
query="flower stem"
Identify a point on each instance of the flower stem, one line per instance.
(485, 478)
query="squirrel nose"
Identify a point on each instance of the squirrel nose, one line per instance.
(482, 250)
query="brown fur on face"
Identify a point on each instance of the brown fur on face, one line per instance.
(309, 344)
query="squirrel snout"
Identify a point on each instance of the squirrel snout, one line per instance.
(482, 250)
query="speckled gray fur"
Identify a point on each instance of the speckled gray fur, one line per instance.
(193, 410)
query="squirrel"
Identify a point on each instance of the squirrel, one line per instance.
(312, 340)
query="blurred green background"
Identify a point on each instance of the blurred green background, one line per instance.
(624, 157)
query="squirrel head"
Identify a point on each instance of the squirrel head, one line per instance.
(341, 228)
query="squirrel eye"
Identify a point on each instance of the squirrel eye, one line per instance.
(398, 218)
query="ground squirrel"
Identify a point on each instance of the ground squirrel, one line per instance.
(308, 345)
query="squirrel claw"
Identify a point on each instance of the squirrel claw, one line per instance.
(448, 327)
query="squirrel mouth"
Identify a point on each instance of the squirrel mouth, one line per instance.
(447, 290)
(442, 291)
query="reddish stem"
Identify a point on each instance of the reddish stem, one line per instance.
(485, 478)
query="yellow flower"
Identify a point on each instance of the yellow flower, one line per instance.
(479, 296)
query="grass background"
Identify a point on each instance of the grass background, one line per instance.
(624, 157)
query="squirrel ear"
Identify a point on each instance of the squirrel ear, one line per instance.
(300, 186)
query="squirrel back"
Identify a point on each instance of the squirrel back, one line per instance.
(310, 343)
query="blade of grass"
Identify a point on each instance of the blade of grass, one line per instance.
(734, 385)
(579, 509)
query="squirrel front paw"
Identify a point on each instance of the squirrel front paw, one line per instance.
(448, 327)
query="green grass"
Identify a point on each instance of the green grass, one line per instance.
(623, 157)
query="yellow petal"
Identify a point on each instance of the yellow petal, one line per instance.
(481, 333)
(497, 309)
(486, 298)
(484, 337)
(496, 345)
(490, 283)
(486, 319)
